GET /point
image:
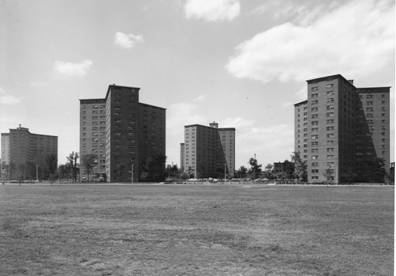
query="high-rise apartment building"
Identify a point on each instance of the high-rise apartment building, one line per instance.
(209, 151)
(344, 130)
(128, 137)
(92, 133)
(301, 129)
(27, 155)
(182, 152)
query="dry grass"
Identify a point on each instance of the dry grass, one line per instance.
(195, 230)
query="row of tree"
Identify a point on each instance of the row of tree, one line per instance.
(254, 171)
(298, 171)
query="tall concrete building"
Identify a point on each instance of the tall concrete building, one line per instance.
(24, 154)
(344, 130)
(209, 151)
(92, 133)
(182, 152)
(301, 129)
(128, 137)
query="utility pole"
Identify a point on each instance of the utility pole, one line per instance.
(132, 173)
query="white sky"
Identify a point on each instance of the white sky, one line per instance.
(240, 63)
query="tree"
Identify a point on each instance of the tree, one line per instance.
(242, 172)
(153, 168)
(171, 170)
(65, 171)
(88, 162)
(5, 171)
(255, 168)
(52, 166)
(300, 167)
(72, 159)
(268, 171)
(329, 175)
(190, 172)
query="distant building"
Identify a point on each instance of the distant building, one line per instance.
(209, 151)
(93, 133)
(283, 170)
(182, 157)
(126, 136)
(24, 154)
(343, 131)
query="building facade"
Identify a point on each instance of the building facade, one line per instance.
(301, 129)
(209, 151)
(27, 155)
(182, 151)
(346, 135)
(92, 133)
(130, 137)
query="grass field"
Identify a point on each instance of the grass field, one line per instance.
(195, 230)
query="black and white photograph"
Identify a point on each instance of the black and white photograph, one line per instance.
(197, 137)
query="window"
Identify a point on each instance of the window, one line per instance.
(330, 100)
(315, 164)
(330, 93)
(330, 85)
(315, 177)
(314, 102)
(314, 150)
(369, 102)
(314, 157)
(314, 144)
(330, 107)
(314, 95)
(314, 170)
(314, 137)
(330, 156)
(330, 149)
(313, 109)
(369, 115)
(314, 116)
(315, 123)
(330, 135)
(368, 109)
(330, 121)
(330, 114)
(314, 88)
(330, 128)
(314, 129)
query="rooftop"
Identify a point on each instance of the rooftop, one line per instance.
(331, 77)
(300, 103)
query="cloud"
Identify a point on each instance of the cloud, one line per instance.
(70, 69)
(6, 99)
(294, 11)
(127, 40)
(212, 10)
(200, 98)
(356, 39)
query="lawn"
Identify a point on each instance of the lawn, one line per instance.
(196, 230)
